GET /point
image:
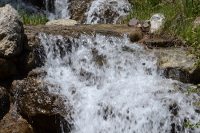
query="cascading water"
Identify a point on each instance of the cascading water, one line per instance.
(114, 86)
(107, 11)
(61, 10)
(100, 11)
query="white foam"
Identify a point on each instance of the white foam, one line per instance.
(124, 95)
(107, 11)
(61, 10)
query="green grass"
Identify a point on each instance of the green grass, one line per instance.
(180, 16)
(33, 19)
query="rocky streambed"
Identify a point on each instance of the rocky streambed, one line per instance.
(28, 106)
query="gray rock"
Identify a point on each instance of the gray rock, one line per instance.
(64, 22)
(43, 110)
(134, 23)
(157, 21)
(178, 65)
(11, 32)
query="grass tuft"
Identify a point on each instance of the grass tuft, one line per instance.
(33, 19)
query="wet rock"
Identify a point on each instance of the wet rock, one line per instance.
(29, 60)
(177, 75)
(37, 73)
(12, 122)
(78, 10)
(158, 42)
(46, 112)
(121, 20)
(197, 22)
(117, 30)
(64, 22)
(178, 65)
(134, 23)
(106, 12)
(157, 21)
(7, 68)
(4, 102)
(11, 32)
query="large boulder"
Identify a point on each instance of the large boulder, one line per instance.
(12, 122)
(178, 65)
(46, 112)
(5, 102)
(11, 32)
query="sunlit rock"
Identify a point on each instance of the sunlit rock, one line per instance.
(11, 32)
(157, 21)
(43, 110)
(64, 22)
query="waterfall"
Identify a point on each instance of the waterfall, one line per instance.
(115, 86)
(107, 11)
(100, 11)
(61, 10)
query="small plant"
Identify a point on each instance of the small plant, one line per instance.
(33, 19)
(192, 126)
(193, 90)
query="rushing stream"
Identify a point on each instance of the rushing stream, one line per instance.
(115, 86)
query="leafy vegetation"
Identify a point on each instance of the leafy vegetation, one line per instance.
(188, 123)
(192, 126)
(179, 22)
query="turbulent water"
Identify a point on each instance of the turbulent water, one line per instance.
(61, 10)
(101, 11)
(114, 86)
